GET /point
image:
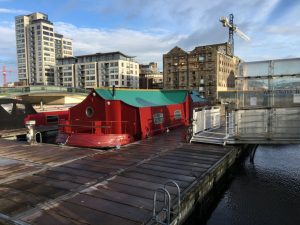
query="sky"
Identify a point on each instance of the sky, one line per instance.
(147, 29)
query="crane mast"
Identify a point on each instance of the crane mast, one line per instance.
(232, 29)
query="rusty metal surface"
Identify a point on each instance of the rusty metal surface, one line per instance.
(86, 186)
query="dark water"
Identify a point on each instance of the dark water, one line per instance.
(266, 192)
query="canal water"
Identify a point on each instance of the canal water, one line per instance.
(266, 192)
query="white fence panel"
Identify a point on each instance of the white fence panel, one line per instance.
(206, 119)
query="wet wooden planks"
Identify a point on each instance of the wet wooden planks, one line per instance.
(114, 187)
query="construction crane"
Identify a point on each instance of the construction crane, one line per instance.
(232, 29)
(4, 74)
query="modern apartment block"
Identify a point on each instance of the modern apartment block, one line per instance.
(37, 48)
(209, 69)
(63, 46)
(150, 76)
(98, 70)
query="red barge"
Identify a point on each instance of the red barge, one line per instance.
(115, 117)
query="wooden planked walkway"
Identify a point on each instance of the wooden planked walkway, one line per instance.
(47, 184)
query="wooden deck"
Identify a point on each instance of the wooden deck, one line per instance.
(47, 184)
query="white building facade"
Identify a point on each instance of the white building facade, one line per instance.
(98, 70)
(37, 49)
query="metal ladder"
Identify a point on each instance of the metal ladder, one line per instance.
(164, 215)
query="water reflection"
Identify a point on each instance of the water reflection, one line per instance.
(267, 192)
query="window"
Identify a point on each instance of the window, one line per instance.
(201, 58)
(177, 114)
(52, 119)
(8, 107)
(158, 118)
(89, 111)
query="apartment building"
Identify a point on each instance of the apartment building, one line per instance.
(63, 46)
(209, 69)
(150, 76)
(98, 70)
(37, 48)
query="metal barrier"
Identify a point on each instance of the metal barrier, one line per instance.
(251, 126)
(272, 123)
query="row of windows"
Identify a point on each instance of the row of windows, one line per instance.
(20, 26)
(48, 44)
(21, 41)
(90, 72)
(67, 47)
(20, 36)
(90, 66)
(67, 42)
(46, 28)
(90, 78)
(21, 51)
(68, 52)
(21, 20)
(68, 79)
(47, 33)
(48, 38)
(49, 49)
(67, 73)
(21, 61)
(91, 84)
(21, 55)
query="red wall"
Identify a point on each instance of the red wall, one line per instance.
(148, 125)
(41, 118)
(112, 114)
(80, 121)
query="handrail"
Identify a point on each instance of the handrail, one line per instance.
(106, 127)
(178, 195)
(166, 208)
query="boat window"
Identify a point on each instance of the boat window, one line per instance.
(8, 107)
(177, 114)
(89, 111)
(52, 119)
(20, 108)
(158, 118)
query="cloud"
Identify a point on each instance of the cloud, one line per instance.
(147, 29)
(8, 49)
(14, 11)
(286, 31)
(7, 45)
(148, 45)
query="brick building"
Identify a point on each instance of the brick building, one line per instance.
(209, 69)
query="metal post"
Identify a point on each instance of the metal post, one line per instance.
(252, 153)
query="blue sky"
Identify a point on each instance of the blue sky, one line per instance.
(149, 28)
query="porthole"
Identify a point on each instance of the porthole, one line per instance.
(89, 111)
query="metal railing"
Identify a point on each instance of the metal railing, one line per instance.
(32, 89)
(166, 216)
(93, 127)
(206, 119)
(267, 125)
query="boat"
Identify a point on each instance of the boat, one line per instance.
(13, 112)
(116, 117)
(48, 118)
